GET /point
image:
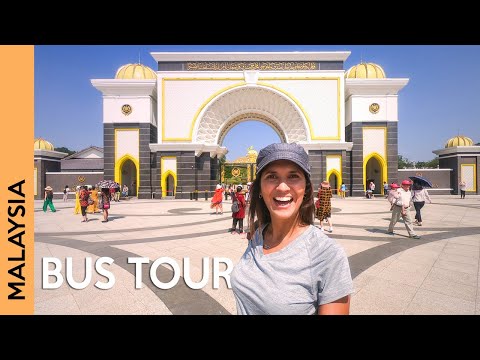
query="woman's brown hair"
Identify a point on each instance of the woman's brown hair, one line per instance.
(259, 210)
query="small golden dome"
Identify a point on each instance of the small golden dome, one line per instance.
(365, 71)
(252, 154)
(42, 144)
(459, 141)
(135, 71)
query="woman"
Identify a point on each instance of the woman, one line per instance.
(65, 193)
(324, 205)
(77, 201)
(105, 203)
(93, 207)
(419, 196)
(462, 185)
(83, 198)
(240, 214)
(48, 199)
(217, 199)
(289, 266)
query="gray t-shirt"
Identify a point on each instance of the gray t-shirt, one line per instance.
(310, 271)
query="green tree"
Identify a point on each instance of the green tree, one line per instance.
(65, 150)
(222, 160)
(404, 163)
(433, 163)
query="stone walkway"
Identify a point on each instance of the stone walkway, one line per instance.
(438, 274)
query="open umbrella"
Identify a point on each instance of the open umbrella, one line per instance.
(421, 180)
(108, 184)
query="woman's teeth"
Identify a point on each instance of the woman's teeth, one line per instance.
(283, 200)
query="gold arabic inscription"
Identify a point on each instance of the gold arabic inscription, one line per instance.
(250, 65)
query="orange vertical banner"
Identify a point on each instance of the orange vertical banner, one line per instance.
(16, 180)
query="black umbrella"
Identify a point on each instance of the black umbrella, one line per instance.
(421, 181)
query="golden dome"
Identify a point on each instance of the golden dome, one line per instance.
(252, 154)
(135, 71)
(459, 141)
(365, 71)
(42, 144)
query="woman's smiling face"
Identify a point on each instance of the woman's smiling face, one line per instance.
(282, 188)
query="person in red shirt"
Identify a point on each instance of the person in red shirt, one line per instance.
(83, 197)
(217, 200)
(240, 214)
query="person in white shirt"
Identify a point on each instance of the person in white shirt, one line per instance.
(401, 208)
(419, 196)
(463, 187)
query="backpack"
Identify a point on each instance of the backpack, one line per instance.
(235, 205)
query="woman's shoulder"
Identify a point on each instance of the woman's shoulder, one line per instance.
(318, 243)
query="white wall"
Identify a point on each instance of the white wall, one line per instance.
(127, 142)
(320, 94)
(169, 164)
(183, 101)
(321, 101)
(374, 141)
(141, 109)
(360, 108)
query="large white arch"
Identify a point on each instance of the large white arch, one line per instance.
(251, 102)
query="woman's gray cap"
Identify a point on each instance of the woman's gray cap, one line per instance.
(283, 151)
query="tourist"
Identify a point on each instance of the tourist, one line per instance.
(289, 266)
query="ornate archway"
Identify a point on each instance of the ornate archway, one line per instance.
(251, 102)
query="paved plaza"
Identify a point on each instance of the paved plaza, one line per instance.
(437, 274)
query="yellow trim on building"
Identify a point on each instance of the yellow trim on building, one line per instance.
(119, 162)
(383, 165)
(243, 83)
(382, 160)
(339, 178)
(192, 124)
(164, 182)
(474, 175)
(118, 172)
(384, 135)
(301, 107)
(164, 174)
(337, 172)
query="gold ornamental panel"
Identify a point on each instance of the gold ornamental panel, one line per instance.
(126, 109)
(374, 108)
(250, 65)
(235, 172)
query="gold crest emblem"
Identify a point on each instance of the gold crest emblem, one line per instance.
(126, 109)
(374, 108)
(81, 179)
(236, 172)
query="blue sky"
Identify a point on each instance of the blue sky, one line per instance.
(440, 101)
